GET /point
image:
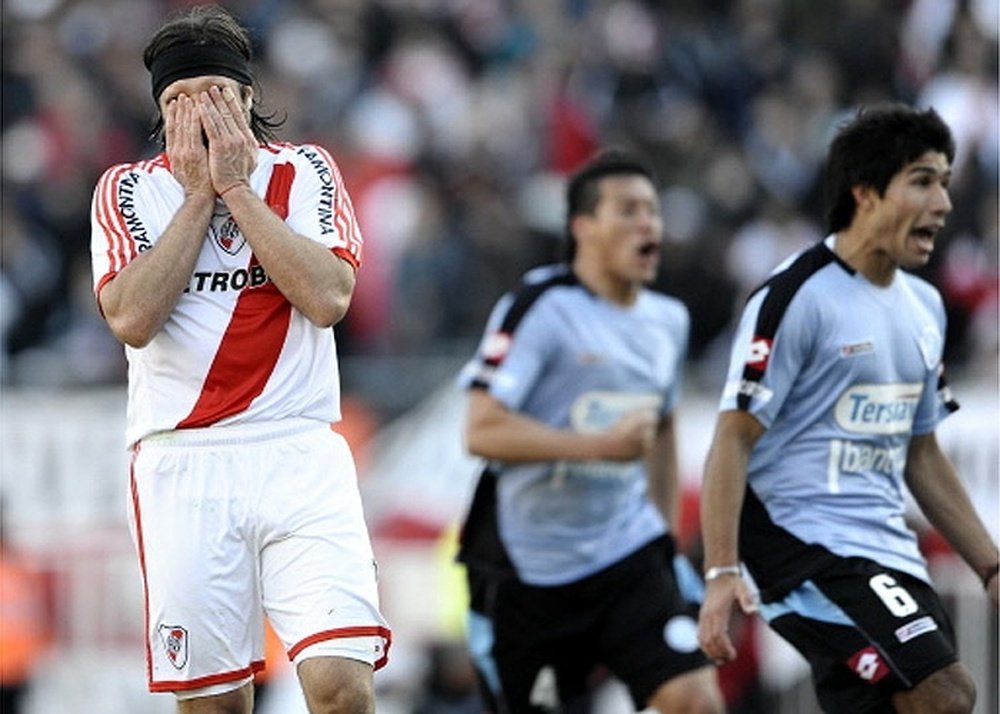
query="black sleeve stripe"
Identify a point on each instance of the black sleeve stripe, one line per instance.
(944, 391)
(526, 295)
(782, 287)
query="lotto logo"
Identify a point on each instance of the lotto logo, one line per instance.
(495, 347)
(868, 665)
(759, 353)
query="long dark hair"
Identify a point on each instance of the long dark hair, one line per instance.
(203, 25)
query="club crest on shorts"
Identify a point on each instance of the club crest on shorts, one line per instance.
(227, 235)
(175, 644)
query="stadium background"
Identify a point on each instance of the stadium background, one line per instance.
(455, 123)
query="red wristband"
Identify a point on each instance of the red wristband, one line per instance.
(227, 189)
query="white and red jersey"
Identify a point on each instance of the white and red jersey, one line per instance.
(234, 350)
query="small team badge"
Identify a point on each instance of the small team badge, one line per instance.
(496, 346)
(759, 353)
(175, 643)
(227, 235)
(930, 346)
(868, 665)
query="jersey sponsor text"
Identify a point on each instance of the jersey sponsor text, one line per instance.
(225, 280)
(857, 457)
(126, 207)
(325, 174)
(878, 408)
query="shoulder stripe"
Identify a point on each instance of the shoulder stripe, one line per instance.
(344, 216)
(781, 288)
(524, 296)
(120, 245)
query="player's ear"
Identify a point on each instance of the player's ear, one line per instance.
(863, 196)
(246, 95)
(579, 226)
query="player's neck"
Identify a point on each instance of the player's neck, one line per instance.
(606, 285)
(861, 250)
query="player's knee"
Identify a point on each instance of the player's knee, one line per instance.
(337, 686)
(696, 693)
(957, 693)
(351, 697)
(948, 691)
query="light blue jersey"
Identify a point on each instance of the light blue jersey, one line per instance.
(842, 373)
(555, 351)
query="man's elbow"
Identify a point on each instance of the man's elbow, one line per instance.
(328, 311)
(475, 442)
(129, 331)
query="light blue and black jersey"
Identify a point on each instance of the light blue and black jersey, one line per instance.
(556, 352)
(841, 373)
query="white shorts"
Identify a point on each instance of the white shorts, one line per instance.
(235, 522)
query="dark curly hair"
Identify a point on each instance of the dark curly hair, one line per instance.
(872, 148)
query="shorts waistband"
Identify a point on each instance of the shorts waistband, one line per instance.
(232, 434)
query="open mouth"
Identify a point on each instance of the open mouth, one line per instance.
(924, 238)
(648, 249)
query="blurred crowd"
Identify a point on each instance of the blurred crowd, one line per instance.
(455, 123)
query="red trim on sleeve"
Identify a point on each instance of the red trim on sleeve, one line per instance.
(346, 255)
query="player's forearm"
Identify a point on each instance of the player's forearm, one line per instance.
(723, 486)
(721, 501)
(664, 474)
(493, 431)
(516, 438)
(308, 274)
(942, 498)
(137, 302)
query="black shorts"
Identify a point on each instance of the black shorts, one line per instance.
(867, 632)
(544, 644)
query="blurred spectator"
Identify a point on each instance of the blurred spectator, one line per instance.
(450, 682)
(24, 624)
(451, 114)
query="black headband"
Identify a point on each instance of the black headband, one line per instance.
(184, 61)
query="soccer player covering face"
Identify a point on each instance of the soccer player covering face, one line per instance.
(222, 264)
(571, 399)
(834, 390)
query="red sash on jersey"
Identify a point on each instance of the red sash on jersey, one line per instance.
(254, 337)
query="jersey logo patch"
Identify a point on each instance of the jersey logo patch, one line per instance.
(868, 665)
(930, 346)
(878, 408)
(856, 349)
(496, 346)
(227, 236)
(759, 353)
(175, 643)
(920, 626)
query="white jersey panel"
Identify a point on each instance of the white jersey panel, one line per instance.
(233, 350)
